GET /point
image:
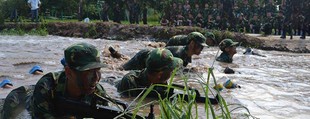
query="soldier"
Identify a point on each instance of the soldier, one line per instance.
(188, 21)
(242, 23)
(279, 20)
(136, 12)
(268, 26)
(206, 11)
(78, 81)
(117, 12)
(228, 48)
(17, 101)
(105, 9)
(305, 17)
(287, 25)
(211, 41)
(210, 22)
(164, 21)
(255, 24)
(196, 10)
(199, 20)
(179, 20)
(194, 46)
(220, 23)
(159, 65)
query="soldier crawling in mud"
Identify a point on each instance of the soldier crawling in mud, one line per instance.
(194, 47)
(78, 81)
(160, 64)
(181, 40)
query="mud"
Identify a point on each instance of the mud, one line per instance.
(115, 31)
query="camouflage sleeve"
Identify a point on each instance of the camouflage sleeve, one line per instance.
(42, 98)
(127, 83)
(16, 101)
(138, 61)
(101, 91)
(178, 40)
(224, 58)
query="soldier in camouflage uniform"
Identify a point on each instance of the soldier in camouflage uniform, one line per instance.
(255, 24)
(287, 25)
(228, 48)
(279, 20)
(16, 101)
(159, 66)
(78, 81)
(211, 41)
(242, 23)
(268, 24)
(194, 46)
(181, 40)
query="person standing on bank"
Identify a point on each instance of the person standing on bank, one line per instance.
(34, 5)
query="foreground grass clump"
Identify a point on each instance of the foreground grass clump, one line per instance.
(180, 107)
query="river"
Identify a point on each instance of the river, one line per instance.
(272, 87)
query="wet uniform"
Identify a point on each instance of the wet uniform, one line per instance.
(180, 52)
(41, 104)
(178, 40)
(224, 57)
(16, 101)
(134, 79)
(138, 61)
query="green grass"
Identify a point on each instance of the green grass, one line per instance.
(176, 107)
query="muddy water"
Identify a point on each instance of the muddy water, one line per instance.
(273, 87)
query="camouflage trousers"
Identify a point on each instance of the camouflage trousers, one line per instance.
(17, 101)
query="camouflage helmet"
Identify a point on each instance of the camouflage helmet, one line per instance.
(198, 38)
(160, 59)
(211, 36)
(82, 57)
(227, 43)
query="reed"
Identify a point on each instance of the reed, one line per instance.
(177, 107)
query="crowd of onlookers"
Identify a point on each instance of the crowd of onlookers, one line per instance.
(239, 16)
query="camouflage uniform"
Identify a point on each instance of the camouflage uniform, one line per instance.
(224, 57)
(268, 25)
(138, 61)
(279, 20)
(42, 102)
(255, 25)
(159, 59)
(80, 57)
(184, 39)
(181, 52)
(210, 35)
(16, 101)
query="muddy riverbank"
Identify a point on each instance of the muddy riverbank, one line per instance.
(114, 31)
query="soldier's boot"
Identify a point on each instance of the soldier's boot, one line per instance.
(291, 34)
